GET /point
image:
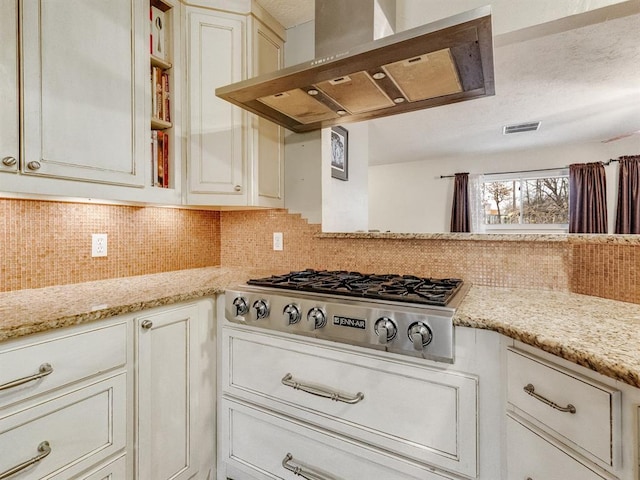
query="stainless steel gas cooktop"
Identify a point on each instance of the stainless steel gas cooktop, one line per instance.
(402, 314)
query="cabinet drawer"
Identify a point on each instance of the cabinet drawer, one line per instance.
(423, 413)
(529, 455)
(258, 442)
(82, 427)
(72, 357)
(115, 470)
(593, 429)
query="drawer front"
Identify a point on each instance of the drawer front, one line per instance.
(529, 455)
(594, 427)
(72, 357)
(82, 427)
(115, 470)
(423, 413)
(255, 443)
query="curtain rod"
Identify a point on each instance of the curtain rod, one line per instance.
(534, 170)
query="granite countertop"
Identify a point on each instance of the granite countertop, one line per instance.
(600, 334)
(572, 238)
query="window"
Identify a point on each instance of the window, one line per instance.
(526, 201)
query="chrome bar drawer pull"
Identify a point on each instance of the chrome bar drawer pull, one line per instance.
(320, 391)
(302, 471)
(530, 389)
(44, 370)
(44, 448)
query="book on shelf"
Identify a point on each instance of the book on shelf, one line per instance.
(159, 159)
(160, 95)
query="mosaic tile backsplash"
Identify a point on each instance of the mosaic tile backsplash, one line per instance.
(49, 243)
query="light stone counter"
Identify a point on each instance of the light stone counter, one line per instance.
(491, 237)
(600, 334)
(597, 333)
(24, 312)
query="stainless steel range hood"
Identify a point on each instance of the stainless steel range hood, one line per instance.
(444, 62)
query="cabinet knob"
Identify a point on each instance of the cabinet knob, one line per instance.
(146, 324)
(34, 165)
(9, 161)
(237, 188)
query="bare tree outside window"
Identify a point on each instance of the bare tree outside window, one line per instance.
(526, 201)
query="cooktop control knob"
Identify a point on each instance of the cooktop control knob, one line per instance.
(291, 314)
(420, 334)
(242, 307)
(316, 318)
(262, 309)
(385, 329)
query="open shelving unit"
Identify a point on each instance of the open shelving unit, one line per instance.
(162, 150)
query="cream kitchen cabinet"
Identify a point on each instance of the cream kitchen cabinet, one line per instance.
(421, 419)
(63, 402)
(131, 397)
(9, 129)
(233, 159)
(175, 392)
(266, 139)
(83, 81)
(216, 166)
(266, 445)
(84, 98)
(567, 422)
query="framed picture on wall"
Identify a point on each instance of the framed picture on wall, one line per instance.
(339, 153)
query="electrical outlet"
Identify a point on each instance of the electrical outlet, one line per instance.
(277, 241)
(98, 244)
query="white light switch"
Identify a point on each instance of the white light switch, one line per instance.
(277, 241)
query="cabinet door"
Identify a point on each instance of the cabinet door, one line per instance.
(166, 351)
(268, 142)
(216, 157)
(9, 86)
(84, 76)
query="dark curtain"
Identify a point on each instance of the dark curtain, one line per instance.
(587, 198)
(628, 209)
(460, 221)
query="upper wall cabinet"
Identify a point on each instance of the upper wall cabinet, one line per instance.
(9, 146)
(84, 75)
(216, 167)
(266, 145)
(84, 98)
(233, 158)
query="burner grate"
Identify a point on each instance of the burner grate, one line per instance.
(392, 287)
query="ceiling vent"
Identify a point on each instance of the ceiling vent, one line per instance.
(520, 127)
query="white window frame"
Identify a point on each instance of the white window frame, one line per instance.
(525, 227)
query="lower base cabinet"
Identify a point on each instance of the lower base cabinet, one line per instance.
(166, 406)
(114, 470)
(175, 393)
(265, 445)
(130, 397)
(67, 433)
(532, 454)
(566, 422)
(377, 416)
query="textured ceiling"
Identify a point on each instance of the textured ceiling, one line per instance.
(290, 12)
(582, 83)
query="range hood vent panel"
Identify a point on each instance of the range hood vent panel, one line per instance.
(358, 94)
(440, 63)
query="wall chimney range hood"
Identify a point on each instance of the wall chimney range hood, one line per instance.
(443, 62)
